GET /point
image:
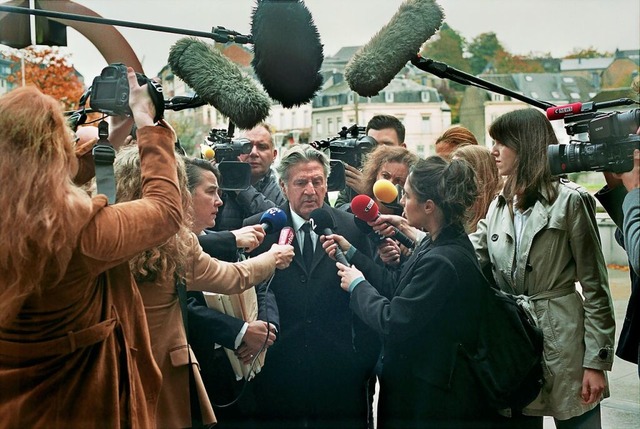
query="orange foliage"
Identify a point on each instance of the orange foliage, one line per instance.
(49, 70)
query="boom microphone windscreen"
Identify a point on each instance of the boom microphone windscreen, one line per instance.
(376, 63)
(219, 82)
(287, 51)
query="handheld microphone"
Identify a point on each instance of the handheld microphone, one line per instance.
(322, 224)
(385, 191)
(219, 82)
(389, 194)
(273, 220)
(286, 235)
(367, 210)
(366, 229)
(287, 51)
(381, 59)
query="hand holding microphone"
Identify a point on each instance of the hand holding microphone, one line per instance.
(274, 220)
(366, 209)
(249, 237)
(322, 224)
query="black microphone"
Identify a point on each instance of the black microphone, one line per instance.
(322, 224)
(366, 229)
(381, 59)
(287, 51)
(219, 82)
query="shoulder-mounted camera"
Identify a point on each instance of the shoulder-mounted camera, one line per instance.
(612, 140)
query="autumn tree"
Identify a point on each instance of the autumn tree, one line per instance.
(589, 52)
(504, 62)
(50, 70)
(483, 49)
(447, 47)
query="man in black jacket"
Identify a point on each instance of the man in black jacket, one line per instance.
(264, 191)
(316, 373)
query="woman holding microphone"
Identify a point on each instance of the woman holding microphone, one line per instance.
(426, 310)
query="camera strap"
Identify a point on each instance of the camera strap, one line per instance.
(103, 156)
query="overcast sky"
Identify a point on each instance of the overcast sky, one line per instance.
(523, 26)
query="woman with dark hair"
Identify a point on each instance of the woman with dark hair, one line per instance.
(426, 312)
(540, 237)
(74, 345)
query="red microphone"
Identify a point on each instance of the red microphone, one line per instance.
(286, 235)
(363, 207)
(559, 112)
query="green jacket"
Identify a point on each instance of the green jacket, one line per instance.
(559, 247)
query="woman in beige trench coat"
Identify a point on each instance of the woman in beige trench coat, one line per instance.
(540, 238)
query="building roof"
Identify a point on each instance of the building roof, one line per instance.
(552, 87)
(577, 64)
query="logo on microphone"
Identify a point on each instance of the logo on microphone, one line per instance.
(562, 110)
(369, 206)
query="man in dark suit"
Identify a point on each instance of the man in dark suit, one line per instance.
(315, 374)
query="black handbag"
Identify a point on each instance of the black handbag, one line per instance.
(508, 358)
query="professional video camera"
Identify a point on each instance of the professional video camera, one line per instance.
(349, 146)
(109, 92)
(226, 148)
(612, 140)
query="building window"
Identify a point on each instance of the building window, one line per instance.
(388, 97)
(319, 127)
(330, 129)
(497, 97)
(425, 96)
(350, 98)
(426, 125)
(420, 150)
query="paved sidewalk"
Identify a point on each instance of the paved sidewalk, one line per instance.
(622, 409)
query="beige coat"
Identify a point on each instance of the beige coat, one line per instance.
(168, 338)
(560, 246)
(63, 359)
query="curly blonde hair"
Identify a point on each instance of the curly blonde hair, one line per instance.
(161, 262)
(41, 206)
(381, 155)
